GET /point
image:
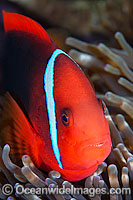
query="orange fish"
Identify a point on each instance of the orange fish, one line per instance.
(62, 126)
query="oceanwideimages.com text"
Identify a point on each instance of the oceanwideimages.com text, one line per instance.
(8, 189)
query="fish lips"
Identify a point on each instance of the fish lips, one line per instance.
(99, 149)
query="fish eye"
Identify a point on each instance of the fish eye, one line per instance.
(66, 117)
(103, 105)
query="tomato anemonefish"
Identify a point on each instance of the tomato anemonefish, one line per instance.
(62, 126)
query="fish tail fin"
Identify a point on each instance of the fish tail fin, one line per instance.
(16, 131)
(18, 22)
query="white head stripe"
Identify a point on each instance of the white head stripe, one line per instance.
(49, 90)
(50, 102)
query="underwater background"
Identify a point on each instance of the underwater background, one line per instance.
(98, 35)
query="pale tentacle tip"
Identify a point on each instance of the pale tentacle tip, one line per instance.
(25, 156)
(119, 115)
(16, 184)
(10, 198)
(130, 159)
(24, 167)
(107, 94)
(54, 174)
(100, 44)
(106, 66)
(7, 146)
(119, 80)
(117, 34)
(52, 185)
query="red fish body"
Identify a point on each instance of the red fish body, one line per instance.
(66, 129)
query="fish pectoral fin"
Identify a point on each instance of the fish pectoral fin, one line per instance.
(16, 131)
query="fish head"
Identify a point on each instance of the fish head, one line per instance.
(82, 132)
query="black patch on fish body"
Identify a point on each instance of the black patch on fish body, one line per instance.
(25, 56)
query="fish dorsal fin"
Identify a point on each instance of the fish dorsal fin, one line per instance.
(16, 131)
(18, 22)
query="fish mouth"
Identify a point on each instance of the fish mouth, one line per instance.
(99, 144)
(96, 144)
